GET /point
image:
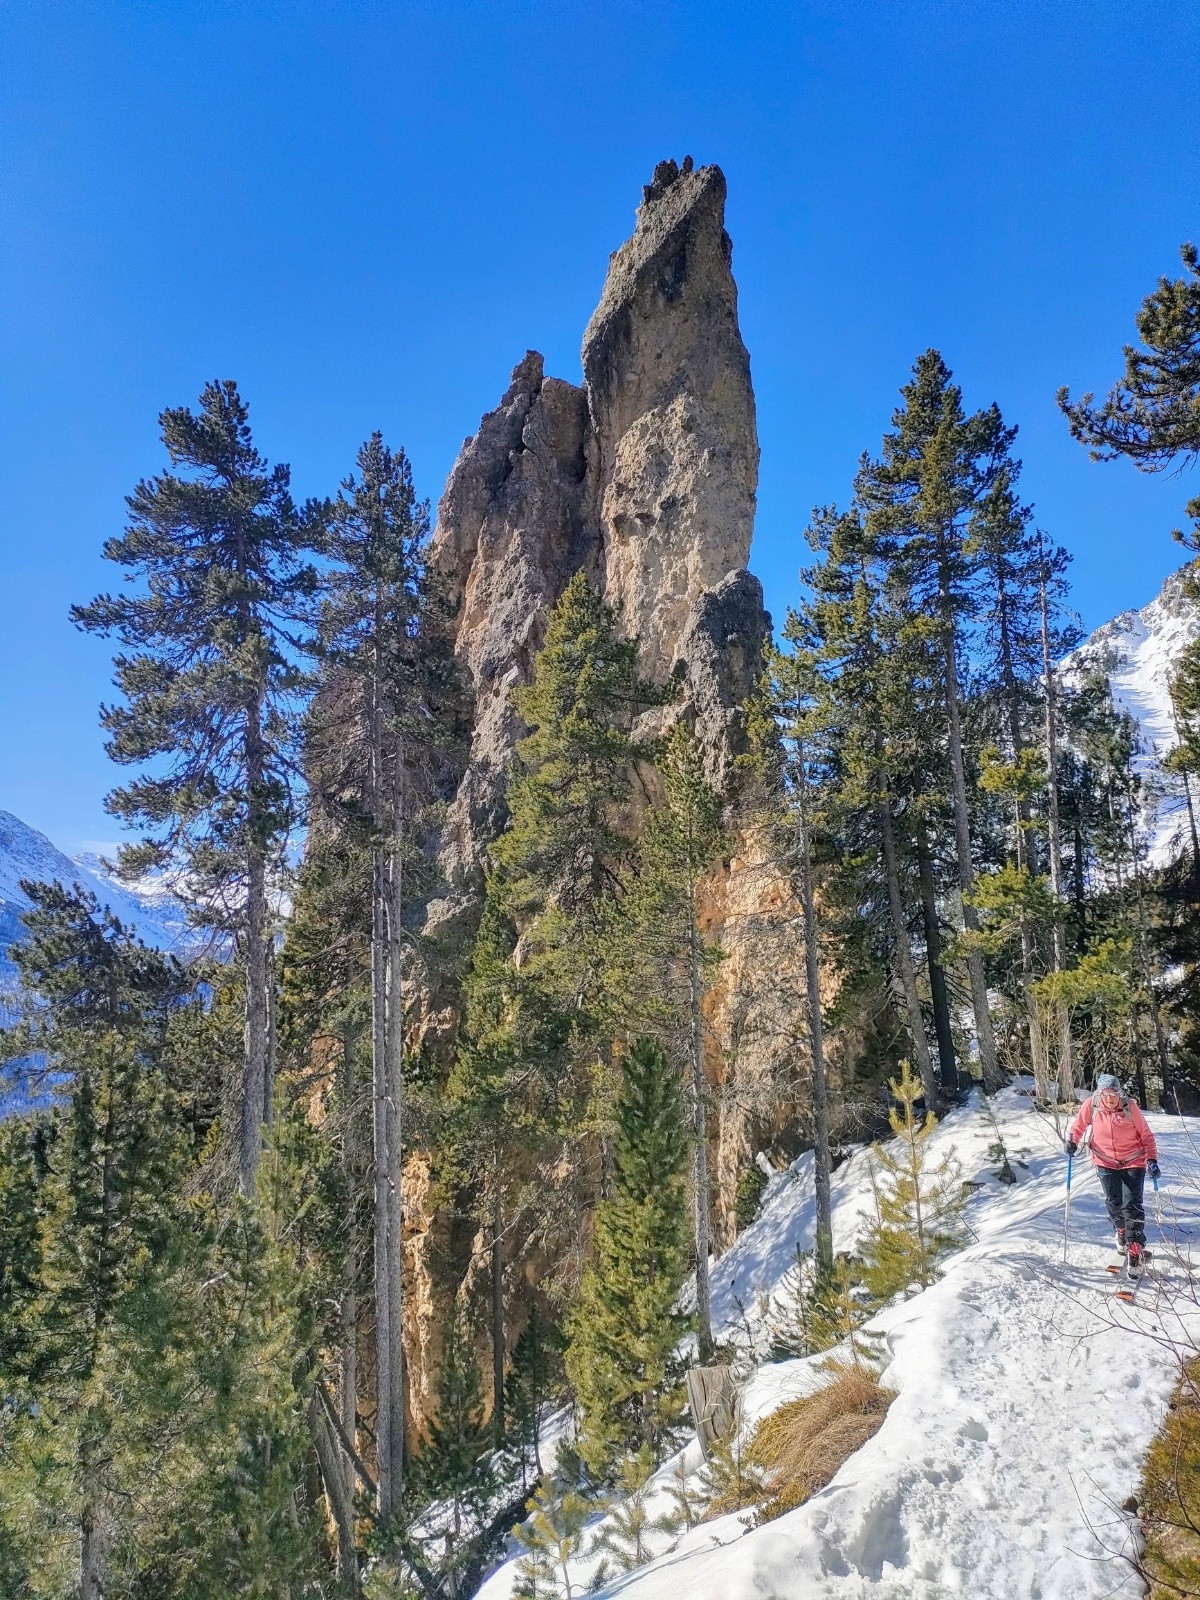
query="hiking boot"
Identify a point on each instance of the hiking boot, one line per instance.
(1121, 1241)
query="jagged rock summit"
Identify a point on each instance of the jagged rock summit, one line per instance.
(644, 477)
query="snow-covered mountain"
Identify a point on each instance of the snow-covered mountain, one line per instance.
(1139, 651)
(155, 914)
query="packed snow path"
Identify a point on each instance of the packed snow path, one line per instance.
(1027, 1394)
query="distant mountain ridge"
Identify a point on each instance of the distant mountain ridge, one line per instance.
(1139, 650)
(156, 915)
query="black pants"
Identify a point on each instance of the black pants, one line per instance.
(1123, 1197)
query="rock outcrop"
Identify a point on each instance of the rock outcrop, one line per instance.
(644, 476)
(670, 400)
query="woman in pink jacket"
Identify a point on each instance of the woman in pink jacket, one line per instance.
(1123, 1152)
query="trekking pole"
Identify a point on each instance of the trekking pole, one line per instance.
(1157, 1206)
(1067, 1206)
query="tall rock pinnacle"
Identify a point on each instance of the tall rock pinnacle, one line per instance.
(644, 478)
(670, 400)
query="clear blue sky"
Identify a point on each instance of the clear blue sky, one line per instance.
(365, 213)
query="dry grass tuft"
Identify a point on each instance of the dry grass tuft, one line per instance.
(801, 1445)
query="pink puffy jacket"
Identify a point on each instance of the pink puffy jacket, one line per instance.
(1120, 1138)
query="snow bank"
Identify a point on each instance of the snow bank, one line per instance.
(1027, 1395)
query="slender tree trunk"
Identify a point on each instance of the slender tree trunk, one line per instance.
(379, 1089)
(497, 1304)
(331, 1461)
(704, 1337)
(1187, 795)
(92, 1534)
(1153, 1089)
(903, 958)
(1060, 938)
(348, 1377)
(272, 1001)
(962, 837)
(395, 1119)
(822, 1161)
(939, 994)
(254, 1065)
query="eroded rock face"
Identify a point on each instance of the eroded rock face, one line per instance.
(513, 526)
(671, 403)
(645, 477)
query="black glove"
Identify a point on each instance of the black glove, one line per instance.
(1152, 1169)
(1070, 1146)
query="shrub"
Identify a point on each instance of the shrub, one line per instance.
(800, 1446)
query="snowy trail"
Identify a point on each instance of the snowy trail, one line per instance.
(1027, 1396)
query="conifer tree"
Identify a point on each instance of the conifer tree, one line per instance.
(209, 678)
(923, 499)
(625, 1327)
(566, 842)
(508, 1096)
(917, 1207)
(552, 1538)
(1151, 416)
(377, 732)
(661, 965)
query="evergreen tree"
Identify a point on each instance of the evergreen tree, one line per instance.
(552, 1538)
(209, 677)
(563, 851)
(533, 1382)
(917, 1206)
(924, 499)
(625, 1328)
(376, 737)
(661, 964)
(507, 1109)
(1152, 414)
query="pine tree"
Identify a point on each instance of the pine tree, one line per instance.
(377, 733)
(533, 1381)
(563, 851)
(452, 1466)
(625, 1327)
(917, 1206)
(661, 965)
(629, 1523)
(552, 1538)
(104, 1208)
(1151, 416)
(210, 681)
(507, 1110)
(923, 499)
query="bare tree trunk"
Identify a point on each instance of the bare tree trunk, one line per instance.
(704, 1337)
(379, 1089)
(822, 1163)
(395, 1115)
(497, 1304)
(254, 1063)
(1066, 1063)
(962, 838)
(332, 1463)
(938, 991)
(903, 958)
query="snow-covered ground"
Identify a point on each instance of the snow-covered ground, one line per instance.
(1027, 1394)
(1140, 650)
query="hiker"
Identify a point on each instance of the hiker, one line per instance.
(1123, 1152)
